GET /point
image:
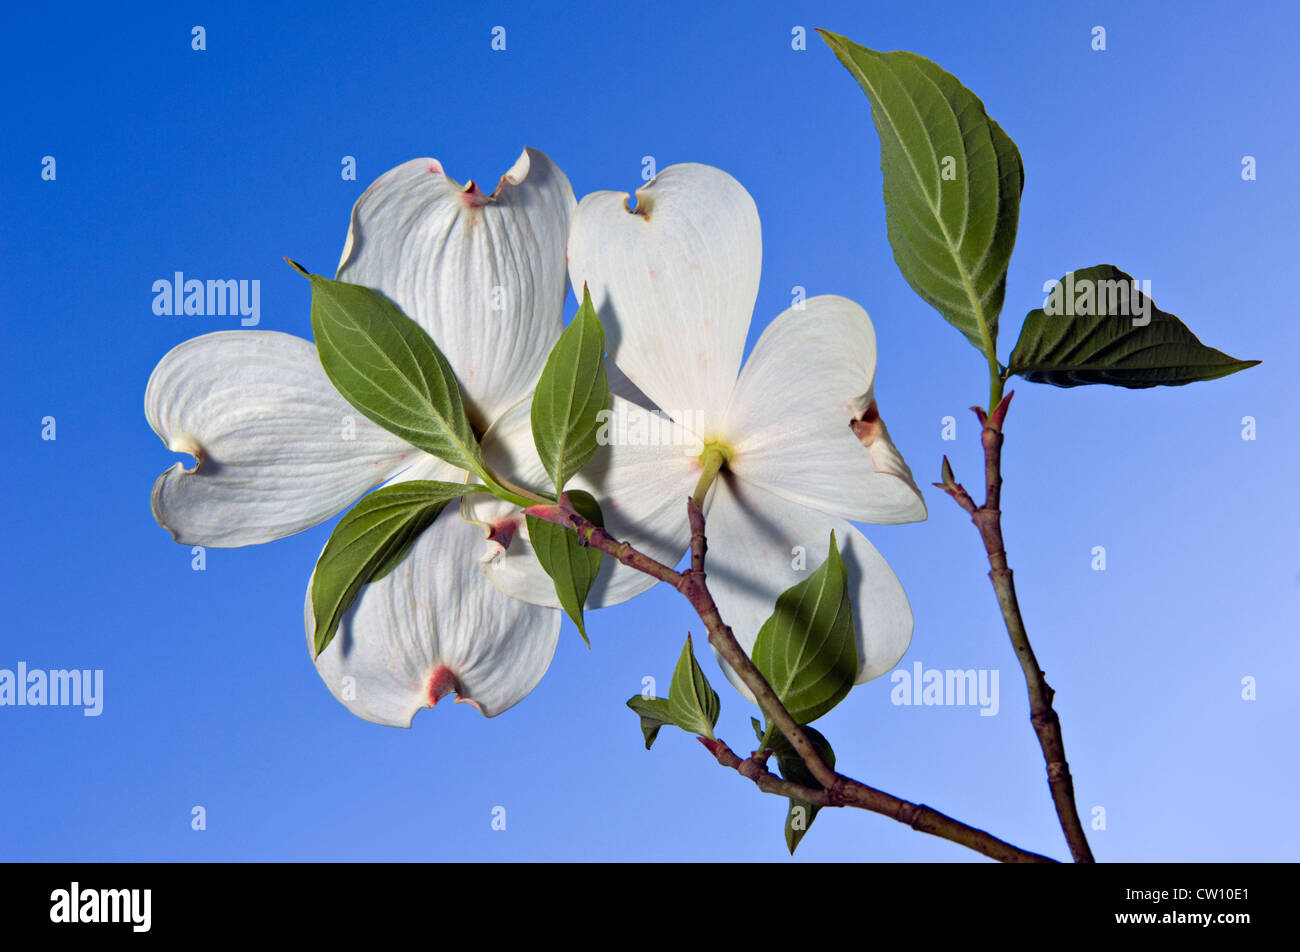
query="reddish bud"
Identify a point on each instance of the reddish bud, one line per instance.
(552, 512)
(1000, 411)
(712, 746)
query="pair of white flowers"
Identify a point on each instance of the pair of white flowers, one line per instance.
(470, 610)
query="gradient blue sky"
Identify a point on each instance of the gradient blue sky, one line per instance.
(217, 163)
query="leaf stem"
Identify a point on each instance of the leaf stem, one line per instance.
(503, 488)
(996, 382)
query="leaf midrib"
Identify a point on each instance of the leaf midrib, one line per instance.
(971, 296)
(567, 429)
(424, 397)
(795, 667)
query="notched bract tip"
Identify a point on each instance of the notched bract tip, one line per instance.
(473, 196)
(644, 202)
(514, 176)
(867, 427)
(442, 682)
(192, 449)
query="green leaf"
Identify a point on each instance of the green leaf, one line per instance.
(572, 567)
(692, 702)
(952, 181)
(571, 393)
(801, 813)
(654, 715)
(385, 365)
(369, 542)
(1097, 326)
(808, 649)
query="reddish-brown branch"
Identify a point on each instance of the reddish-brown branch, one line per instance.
(851, 793)
(837, 790)
(694, 586)
(1047, 726)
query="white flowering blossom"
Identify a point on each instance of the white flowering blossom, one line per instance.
(805, 450)
(278, 450)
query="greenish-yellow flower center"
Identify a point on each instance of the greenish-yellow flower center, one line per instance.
(716, 455)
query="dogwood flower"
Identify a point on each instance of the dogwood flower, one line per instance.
(796, 432)
(277, 450)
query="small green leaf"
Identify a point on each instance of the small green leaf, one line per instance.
(1098, 327)
(654, 715)
(808, 649)
(952, 181)
(572, 567)
(801, 813)
(369, 542)
(385, 365)
(571, 393)
(693, 703)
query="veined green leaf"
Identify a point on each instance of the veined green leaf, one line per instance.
(571, 393)
(801, 813)
(807, 650)
(1098, 327)
(369, 542)
(385, 365)
(692, 702)
(572, 567)
(654, 715)
(952, 181)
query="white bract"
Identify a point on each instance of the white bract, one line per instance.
(675, 283)
(278, 450)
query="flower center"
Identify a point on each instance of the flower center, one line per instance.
(716, 455)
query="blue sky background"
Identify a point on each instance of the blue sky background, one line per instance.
(217, 163)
